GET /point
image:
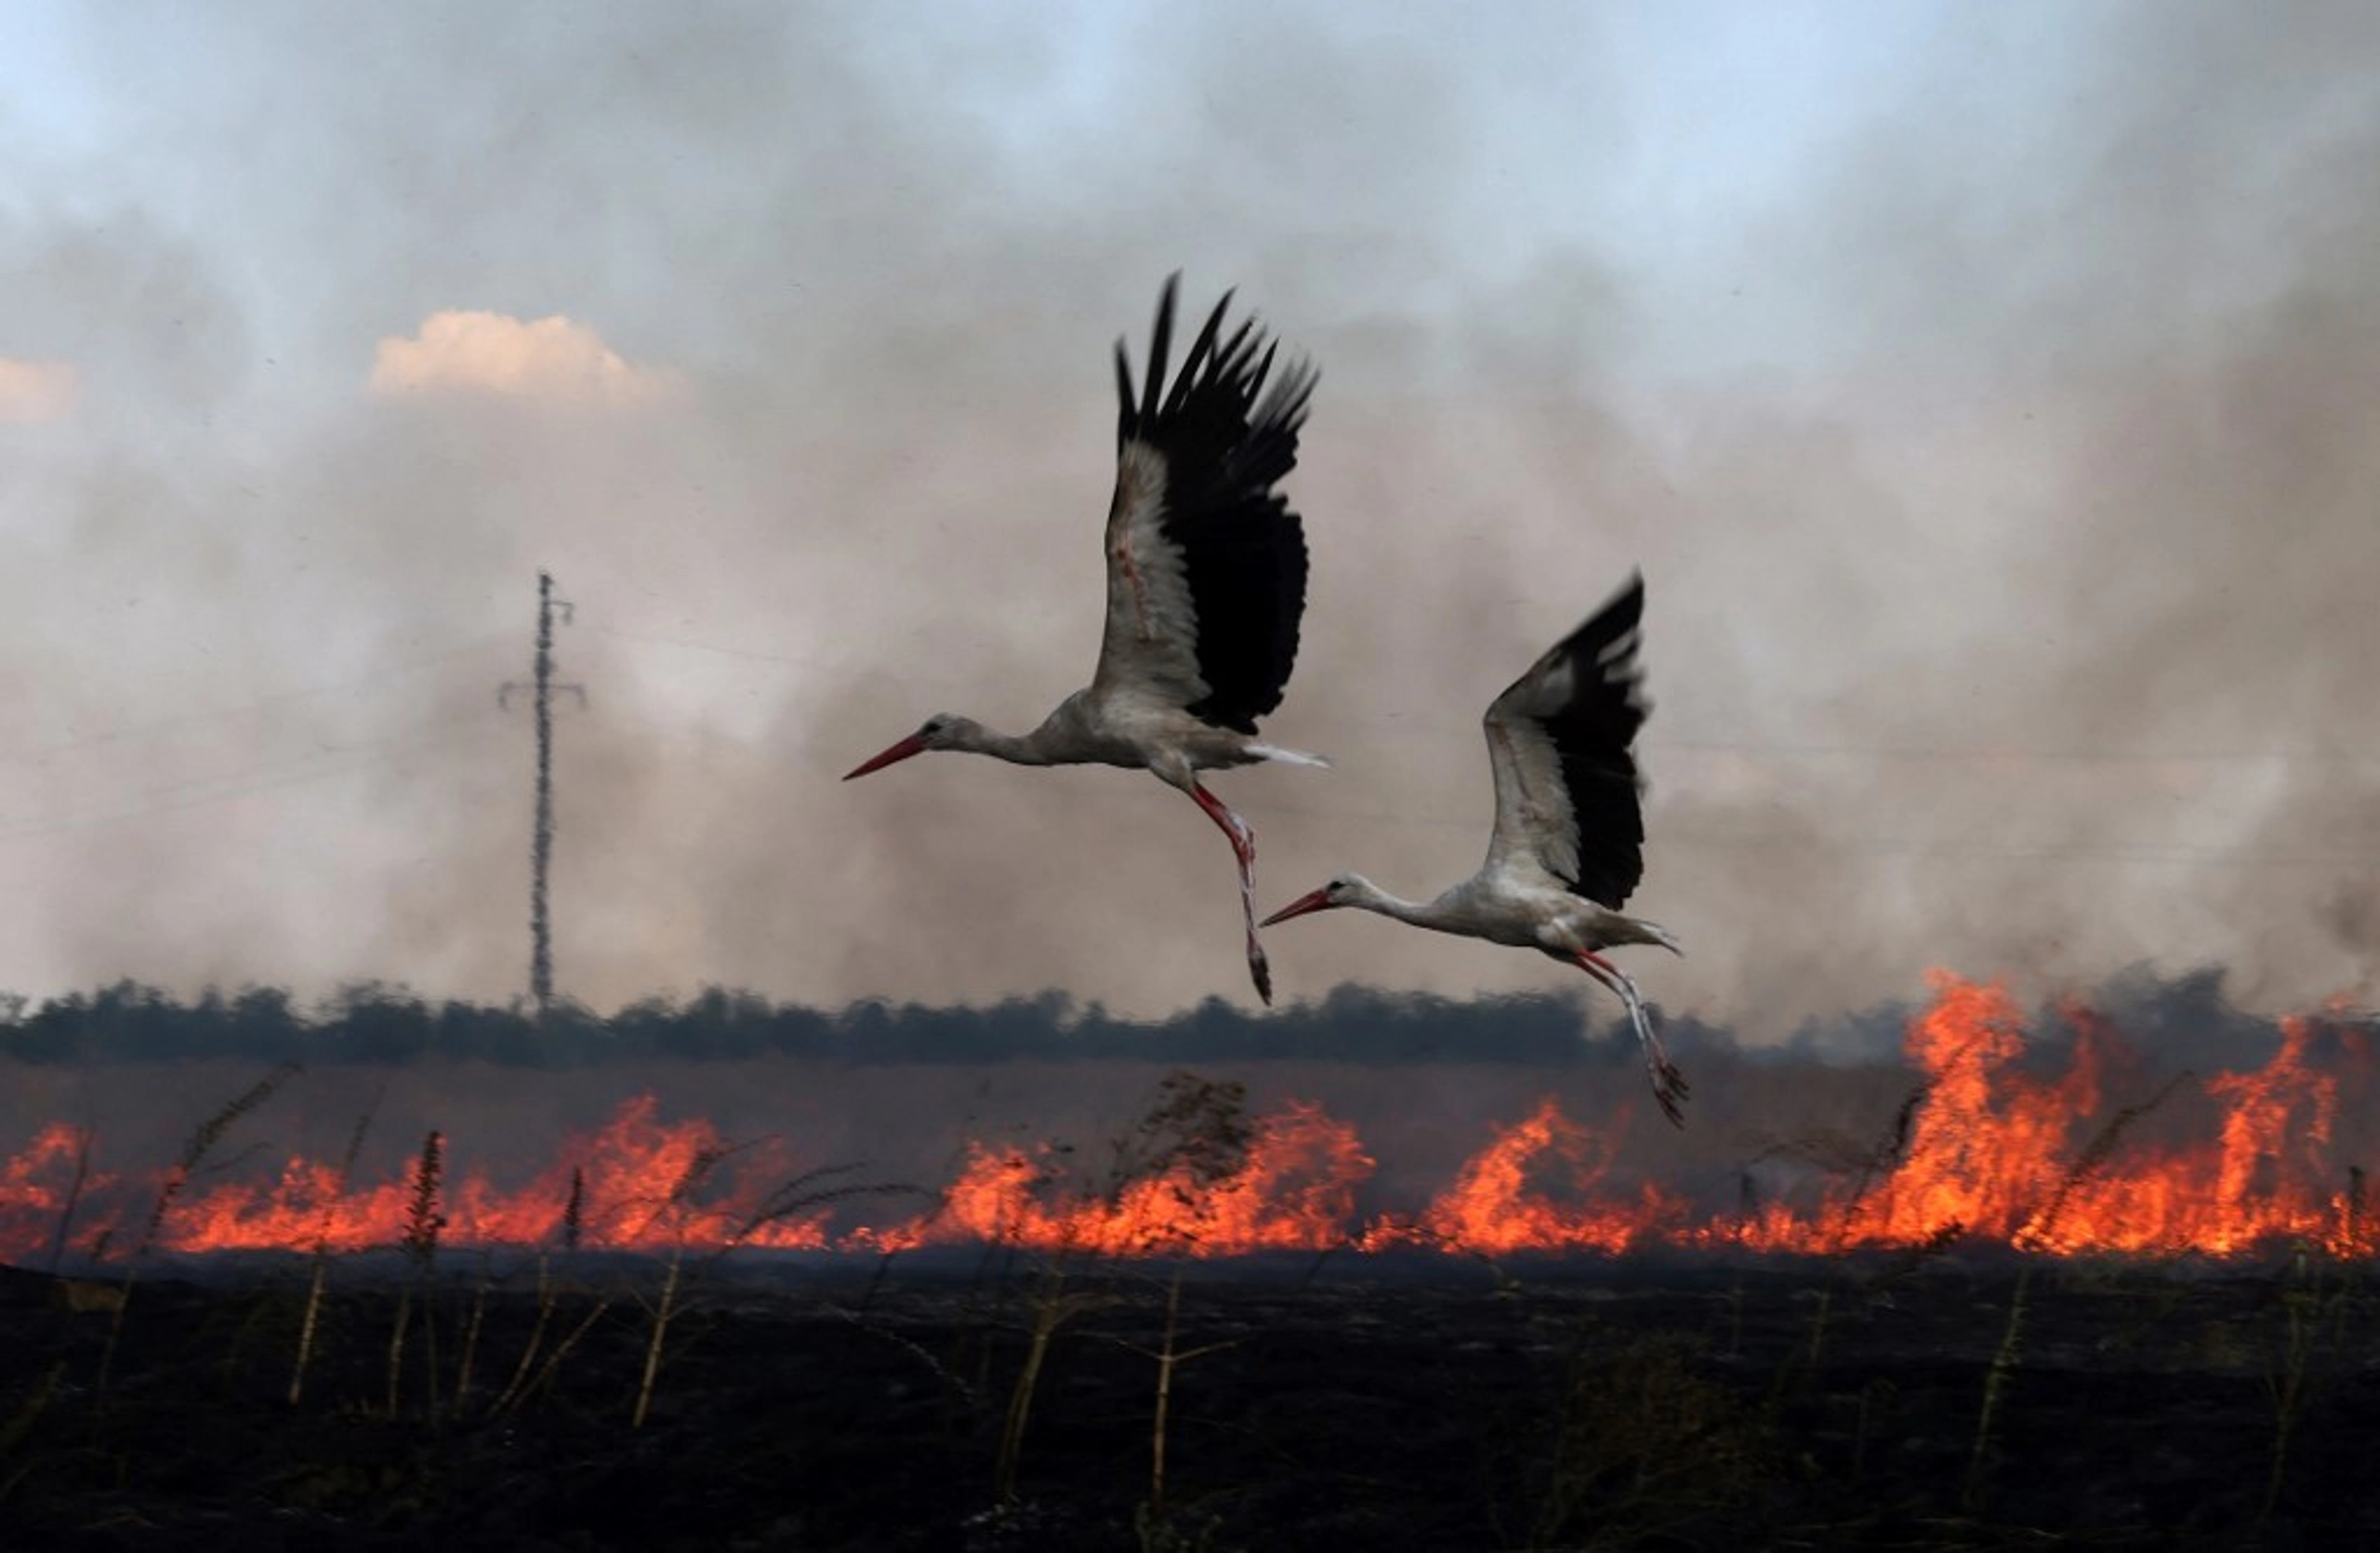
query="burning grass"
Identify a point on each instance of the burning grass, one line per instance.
(2100, 1157)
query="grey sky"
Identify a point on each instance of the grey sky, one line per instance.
(1982, 390)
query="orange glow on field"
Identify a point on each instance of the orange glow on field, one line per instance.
(1989, 1154)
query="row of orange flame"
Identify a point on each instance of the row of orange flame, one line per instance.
(1988, 1154)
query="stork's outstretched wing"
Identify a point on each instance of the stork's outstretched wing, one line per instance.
(1206, 563)
(1559, 738)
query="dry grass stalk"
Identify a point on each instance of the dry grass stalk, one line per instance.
(1995, 1386)
(2290, 1382)
(1196, 1131)
(471, 1337)
(574, 1224)
(806, 1193)
(19, 1428)
(2039, 1233)
(514, 1396)
(1643, 1446)
(1169, 1357)
(679, 1207)
(194, 1155)
(803, 1193)
(2035, 1234)
(419, 1244)
(310, 1324)
(74, 1197)
(2314, 1287)
(1839, 1156)
(1053, 1306)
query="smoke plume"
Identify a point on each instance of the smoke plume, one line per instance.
(1984, 403)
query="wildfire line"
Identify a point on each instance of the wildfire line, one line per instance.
(1987, 1154)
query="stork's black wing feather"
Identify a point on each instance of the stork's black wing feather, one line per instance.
(1224, 442)
(1572, 720)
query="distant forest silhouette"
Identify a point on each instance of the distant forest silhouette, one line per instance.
(2183, 1019)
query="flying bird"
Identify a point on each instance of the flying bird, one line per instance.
(1205, 585)
(1569, 843)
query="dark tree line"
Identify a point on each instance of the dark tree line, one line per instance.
(377, 1023)
(2175, 1020)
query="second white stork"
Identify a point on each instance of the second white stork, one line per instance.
(1206, 587)
(1569, 843)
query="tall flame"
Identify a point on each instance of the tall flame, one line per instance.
(1495, 1208)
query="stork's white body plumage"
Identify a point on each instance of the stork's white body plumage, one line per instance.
(1205, 587)
(1567, 847)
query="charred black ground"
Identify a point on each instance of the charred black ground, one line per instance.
(1376, 1404)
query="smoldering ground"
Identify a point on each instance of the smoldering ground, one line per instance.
(1992, 450)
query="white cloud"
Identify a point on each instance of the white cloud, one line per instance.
(556, 360)
(36, 391)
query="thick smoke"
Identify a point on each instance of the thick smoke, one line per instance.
(1997, 470)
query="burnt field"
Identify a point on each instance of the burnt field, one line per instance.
(954, 1400)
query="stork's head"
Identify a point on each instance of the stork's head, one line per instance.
(943, 730)
(1347, 889)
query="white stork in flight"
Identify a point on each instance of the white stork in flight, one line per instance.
(1568, 844)
(1206, 585)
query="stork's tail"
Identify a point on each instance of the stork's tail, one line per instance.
(1614, 928)
(1288, 757)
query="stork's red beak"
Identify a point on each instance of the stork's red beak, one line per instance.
(913, 745)
(1317, 901)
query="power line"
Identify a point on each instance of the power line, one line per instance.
(275, 776)
(249, 780)
(1655, 745)
(133, 731)
(811, 660)
(2002, 754)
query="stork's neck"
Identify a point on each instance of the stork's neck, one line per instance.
(1368, 896)
(1017, 749)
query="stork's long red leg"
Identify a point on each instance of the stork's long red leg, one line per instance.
(1670, 1088)
(1243, 847)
